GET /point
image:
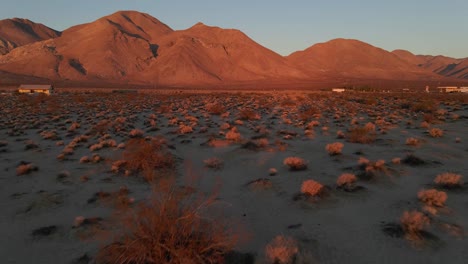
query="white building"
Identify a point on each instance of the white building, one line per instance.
(36, 88)
(338, 90)
(448, 89)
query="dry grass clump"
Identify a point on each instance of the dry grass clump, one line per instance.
(436, 132)
(363, 135)
(23, 169)
(412, 141)
(295, 163)
(312, 188)
(281, 250)
(413, 223)
(184, 129)
(215, 108)
(172, 227)
(233, 135)
(248, 114)
(334, 148)
(449, 180)
(214, 163)
(432, 197)
(272, 171)
(346, 180)
(134, 133)
(145, 156)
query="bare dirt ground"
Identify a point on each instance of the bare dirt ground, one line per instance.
(271, 163)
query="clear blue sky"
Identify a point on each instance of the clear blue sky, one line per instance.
(421, 26)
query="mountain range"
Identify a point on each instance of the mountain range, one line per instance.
(130, 47)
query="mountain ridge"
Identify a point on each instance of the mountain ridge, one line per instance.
(134, 47)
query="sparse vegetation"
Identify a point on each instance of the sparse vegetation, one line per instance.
(334, 148)
(169, 228)
(449, 180)
(146, 157)
(312, 188)
(436, 132)
(281, 250)
(413, 223)
(346, 180)
(432, 197)
(295, 163)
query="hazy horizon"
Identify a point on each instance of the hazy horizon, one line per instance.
(432, 28)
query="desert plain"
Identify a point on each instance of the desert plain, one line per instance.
(234, 177)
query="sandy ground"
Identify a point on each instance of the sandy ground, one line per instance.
(340, 227)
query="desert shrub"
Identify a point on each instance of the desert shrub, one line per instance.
(346, 180)
(432, 197)
(184, 129)
(436, 132)
(361, 135)
(340, 134)
(233, 135)
(363, 161)
(145, 156)
(214, 163)
(225, 126)
(118, 165)
(412, 141)
(281, 250)
(261, 142)
(248, 114)
(85, 159)
(413, 223)
(23, 169)
(425, 106)
(136, 133)
(295, 163)
(312, 188)
(272, 171)
(449, 180)
(334, 148)
(424, 124)
(215, 108)
(369, 127)
(172, 227)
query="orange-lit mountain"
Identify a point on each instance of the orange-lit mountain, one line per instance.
(445, 66)
(133, 47)
(350, 58)
(17, 32)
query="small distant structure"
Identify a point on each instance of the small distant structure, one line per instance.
(448, 89)
(36, 89)
(338, 90)
(427, 88)
(464, 89)
(406, 90)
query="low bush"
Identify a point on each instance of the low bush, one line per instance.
(449, 180)
(172, 227)
(413, 223)
(334, 148)
(432, 197)
(295, 163)
(281, 250)
(312, 188)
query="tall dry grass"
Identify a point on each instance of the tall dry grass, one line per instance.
(173, 226)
